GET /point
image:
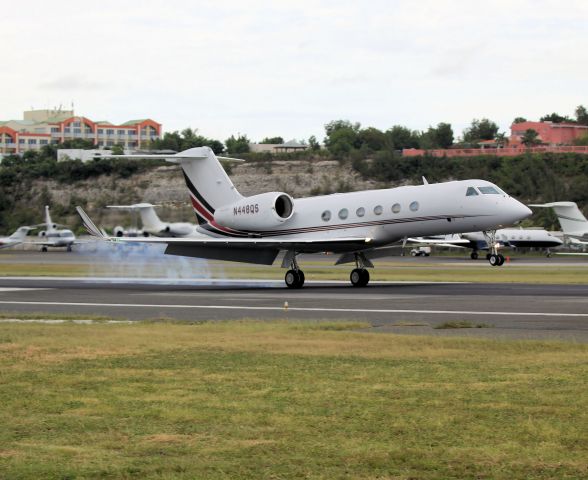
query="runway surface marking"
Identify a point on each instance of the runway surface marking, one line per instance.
(297, 309)
(18, 289)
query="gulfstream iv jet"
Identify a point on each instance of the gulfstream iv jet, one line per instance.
(358, 225)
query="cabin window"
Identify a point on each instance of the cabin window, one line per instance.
(414, 206)
(489, 191)
(396, 208)
(343, 213)
(360, 212)
(326, 216)
(471, 192)
(378, 209)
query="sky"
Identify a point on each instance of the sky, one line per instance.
(286, 68)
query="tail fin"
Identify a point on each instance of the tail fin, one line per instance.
(571, 219)
(20, 234)
(149, 218)
(209, 185)
(48, 221)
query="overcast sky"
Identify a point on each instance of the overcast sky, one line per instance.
(266, 68)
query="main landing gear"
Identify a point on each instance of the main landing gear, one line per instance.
(359, 276)
(294, 277)
(494, 258)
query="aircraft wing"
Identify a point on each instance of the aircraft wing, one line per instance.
(442, 242)
(251, 250)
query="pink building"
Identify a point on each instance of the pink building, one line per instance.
(549, 133)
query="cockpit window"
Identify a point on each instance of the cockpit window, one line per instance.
(489, 191)
(471, 192)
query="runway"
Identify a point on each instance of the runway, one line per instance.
(514, 311)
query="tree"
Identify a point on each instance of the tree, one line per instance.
(502, 139)
(188, 138)
(555, 118)
(581, 115)
(399, 138)
(519, 120)
(239, 144)
(530, 138)
(444, 135)
(313, 143)
(372, 138)
(272, 140)
(483, 129)
(342, 136)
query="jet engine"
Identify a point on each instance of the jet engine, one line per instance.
(118, 231)
(259, 212)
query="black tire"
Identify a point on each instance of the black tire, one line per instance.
(44, 249)
(301, 279)
(359, 277)
(291, 279)
(474, 255)
(494, 260)
(365, 277)
(500, 260)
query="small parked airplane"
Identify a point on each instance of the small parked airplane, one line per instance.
(152, 223)
(357, 225)
(16, 238)
(53, 236)
(573, 222)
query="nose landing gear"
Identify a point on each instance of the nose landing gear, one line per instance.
(494, 258)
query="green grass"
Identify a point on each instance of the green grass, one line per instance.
(279, 400)
(385, 271)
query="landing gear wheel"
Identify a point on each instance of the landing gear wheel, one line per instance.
(43, 249)
(474, 255)
(496, 260)
(359, 277)
(294, 279)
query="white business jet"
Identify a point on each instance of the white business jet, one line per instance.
(357, 225)
(152, 223)
(16, 238)
(573, 222)
(53, 236)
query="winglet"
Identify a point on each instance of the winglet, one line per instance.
(90, 225)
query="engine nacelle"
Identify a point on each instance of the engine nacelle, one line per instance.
(267, 210)
(118, 231)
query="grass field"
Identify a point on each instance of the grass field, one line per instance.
(384, 271)
(286, 400)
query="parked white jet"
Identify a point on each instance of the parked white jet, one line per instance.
(53, 236)
(358, 225)
(152, 223)
(573, 222)
(16, 238)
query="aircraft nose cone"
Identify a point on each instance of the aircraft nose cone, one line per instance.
(525, 211)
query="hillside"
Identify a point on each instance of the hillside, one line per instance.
(531, 178)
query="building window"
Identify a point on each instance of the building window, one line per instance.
(326, 216)
(100, 131)
(343, 213)
(360, 212)
(77, 130)
(414, 206)
(110, 131)
(43, 142)
(131, 132)
(67, 130)
(54, 129)
(76, 124)
(378, 209)
(121, 132)
(396, 208)
(21, 141)
(32, 141)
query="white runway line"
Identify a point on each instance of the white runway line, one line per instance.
(20, 289)
(295, 309)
